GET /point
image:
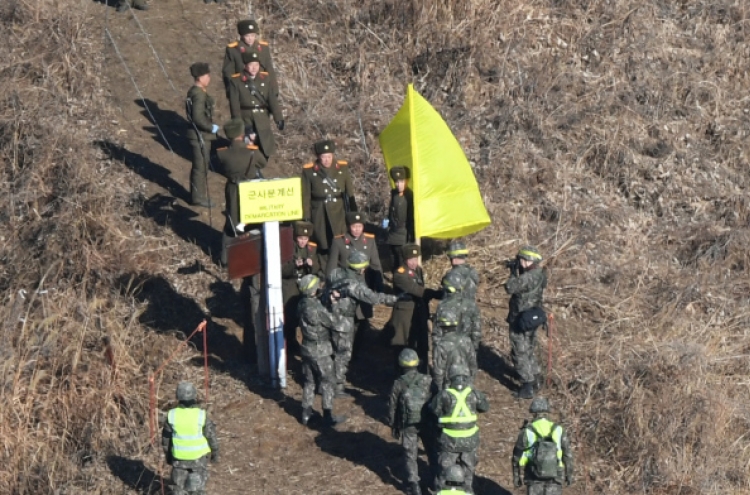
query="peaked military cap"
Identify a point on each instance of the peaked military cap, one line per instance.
(355, 217)
(247, 26)
(411, 251)
(234, 128)
(399, 173)
(303, 228)
(326, 146)
(199, 69)
(250, 56)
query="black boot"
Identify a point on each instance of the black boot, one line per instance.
(527, 391)
(414, 489)
(306, 415)
(340, 393)
(330, 420)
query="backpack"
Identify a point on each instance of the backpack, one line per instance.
(412, 401)
(544, 462)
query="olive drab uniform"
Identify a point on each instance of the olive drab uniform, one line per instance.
(453, 348)
(317, 323)
(353, 292)
(325, 194)
(252, 100)
(202, 108)
(239, 161)
(233, 62)
(400, 223)
(290, 275)
(523, 455)
(456, 411)
(526, 292)
(409, 390)
(188, 440)
(411, 312)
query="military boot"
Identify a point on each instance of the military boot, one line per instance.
(527, 391)
(340, 393)
(306, 415)
(330, 420)
(413, 489)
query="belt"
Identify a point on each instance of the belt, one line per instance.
(254, 109)
(327, 199)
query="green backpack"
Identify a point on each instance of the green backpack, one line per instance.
(544, 462)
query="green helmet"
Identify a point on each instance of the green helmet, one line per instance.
(539, 405)
(454, 475)
(457, 249)
(529, 253)
(457, 370)
(308, 285)
(408, 358)
(447, 317)
(358, 260)
(186, 392)
(452, 282)
(337, 274)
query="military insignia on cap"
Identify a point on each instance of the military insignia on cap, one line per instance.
(325, 147)
(413, 251)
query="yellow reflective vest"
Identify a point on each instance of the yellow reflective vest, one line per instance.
(461, 415)
(544, 426)
(188, 441)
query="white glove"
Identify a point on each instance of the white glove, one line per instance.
(386, 223)
(214, 129)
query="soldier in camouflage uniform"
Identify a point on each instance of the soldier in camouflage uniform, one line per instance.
(524, 448)
(411, 312)
(189, 440)
(201, 133)
(239, 161)
(456, 409)
(526, 287)
(453, 482)
(252, 100)
(249, 41)
(400, 222)
(469, 316)
(304, 262)
(457, 253)
(350, 291)
(317, 323)
(453, 347)
(406, 416)
(327, 194)
(124, 5)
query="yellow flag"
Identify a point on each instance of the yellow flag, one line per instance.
(447, 201)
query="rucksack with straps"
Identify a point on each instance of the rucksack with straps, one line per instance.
(544, 462)
(413, 400)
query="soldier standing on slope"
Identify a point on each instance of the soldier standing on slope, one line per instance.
(201, 133)
(400, 222)
(249, 41)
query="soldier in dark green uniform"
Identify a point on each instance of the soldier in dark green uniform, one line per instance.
(251, 99)
(249, 41)
(136, 4)
(239, 162)
(526, 287)
(304, 262)
(327, 194)
(400, 223)
(201, 133)
(411, 312)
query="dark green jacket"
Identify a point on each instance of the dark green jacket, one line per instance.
(252, 101)
(323, 200)
(202, 114)
(233, 60)
(401, 218)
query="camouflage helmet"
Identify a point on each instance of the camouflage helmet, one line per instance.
(308, 285)
(457, 249)
(186, 391)
(539, 405)
(337, 274)
(408, 358)
(458, 369)
(529, 253)
(452, 282)
(358, 260)
(447, 317)
(454, 475)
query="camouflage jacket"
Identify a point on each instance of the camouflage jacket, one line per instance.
(471, 319)
(316, 323)
(411, 379)
(443, 404)
(452, 348)
(526, 292)
(209, 431)
(522, 445)
(471, 279)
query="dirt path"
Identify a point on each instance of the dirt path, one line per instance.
(264, 448)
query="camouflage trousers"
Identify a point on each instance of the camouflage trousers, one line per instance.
(523, 354)
(190, 477)
(318, 371)
(466, 460)
(343, 344)
(410, 436)
(543, 488)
